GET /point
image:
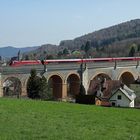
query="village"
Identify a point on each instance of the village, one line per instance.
(112, 93)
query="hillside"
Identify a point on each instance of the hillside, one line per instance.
(109, 42)
(104, 37)
(42, 52)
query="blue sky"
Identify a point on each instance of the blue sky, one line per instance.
(36, 22)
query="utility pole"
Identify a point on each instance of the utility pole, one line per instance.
(82, 90)
(115, 66)
(137, 64)
(45, 68)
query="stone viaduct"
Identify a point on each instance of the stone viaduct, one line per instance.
(65, 79)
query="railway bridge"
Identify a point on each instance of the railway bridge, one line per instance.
(65, 78)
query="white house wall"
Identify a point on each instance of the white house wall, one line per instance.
(132, 104)
(124, 102)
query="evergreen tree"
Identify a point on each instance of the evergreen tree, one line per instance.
(37, 88)
(87, 46)
(65, 51)
(138, 48)
(82, 90)
(45, 92)
(82, 47)
(132, 52)
(33, 85)
(60, 53)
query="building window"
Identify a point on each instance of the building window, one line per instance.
(119, 97)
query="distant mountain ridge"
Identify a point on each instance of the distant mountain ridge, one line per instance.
(10, 51)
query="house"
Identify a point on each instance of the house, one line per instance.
(103, 89)
(123, 97)
(111, 93)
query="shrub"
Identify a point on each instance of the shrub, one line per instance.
(33, 85)
(45, 91)
(37, 88)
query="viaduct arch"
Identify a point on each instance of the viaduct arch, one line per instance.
(101, 76)
(73, 84)
(12, 87)
(127, 78)
(55, 82)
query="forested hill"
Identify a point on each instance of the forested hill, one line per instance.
(121, 40)
(127, 30)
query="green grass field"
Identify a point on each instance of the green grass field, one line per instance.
(27, 119)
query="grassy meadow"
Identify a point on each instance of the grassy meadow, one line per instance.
(27, 119)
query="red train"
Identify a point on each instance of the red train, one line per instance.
(39, 62)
